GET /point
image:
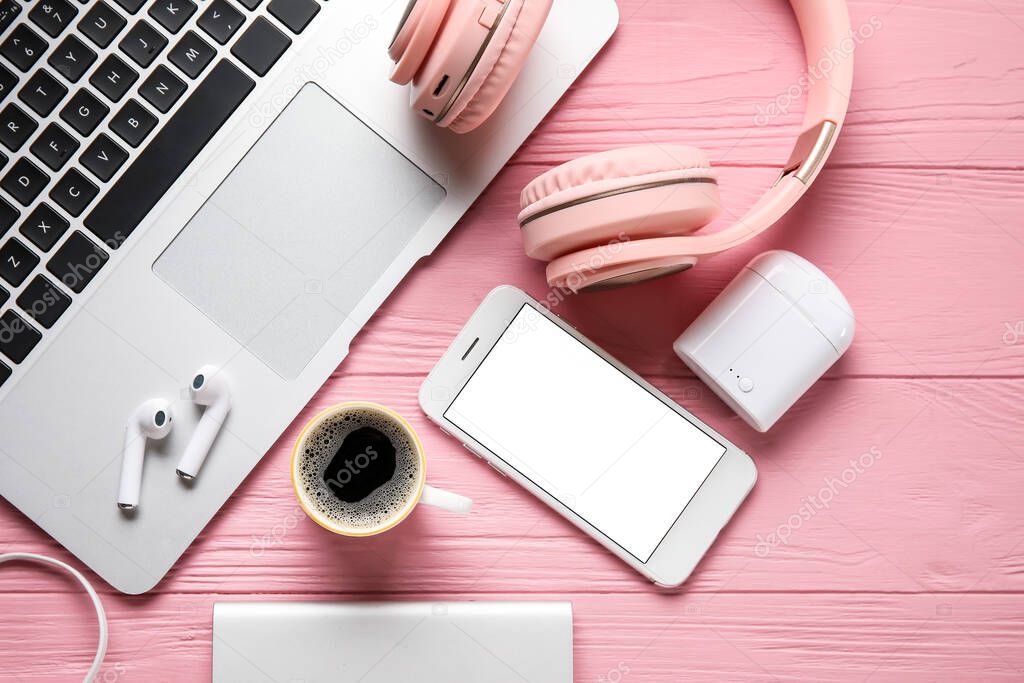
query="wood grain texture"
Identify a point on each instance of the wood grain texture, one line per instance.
(645, 637)
(915, 568)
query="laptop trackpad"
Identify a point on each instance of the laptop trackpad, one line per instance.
(299, 231)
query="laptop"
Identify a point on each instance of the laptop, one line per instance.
(225, 182)
(469, 642)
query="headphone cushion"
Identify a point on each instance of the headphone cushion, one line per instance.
(624, 194)
(613, 170)
(499, 66)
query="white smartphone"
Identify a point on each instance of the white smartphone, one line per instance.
(548, 409)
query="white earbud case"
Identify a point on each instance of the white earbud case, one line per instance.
(770, 335)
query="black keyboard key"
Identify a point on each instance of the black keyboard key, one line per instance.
(16, 262)
(42, 92)
(220, 20)
(53, 16)
(192, 54)
(261, 46)
(162, 88)
(9, 11)
(15, 127)
(143, 43)
(23, 47)
(8, 215)
(250, 4)
(24, 181)
(7, 81)
(43, 301)
(172, 14)
(73, 192)
(133, 123)
(113, 77)
(72, 58)
(44, 226)
(102, 24)
(84, 111)
(168, 154)
(295, 14)
(104, 157)
(4, 296)
(17, 337)
(55, 147)
(77, 262)
(131, 6)
(5, 371)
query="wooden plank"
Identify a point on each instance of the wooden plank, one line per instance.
(931, 505)
(644, 637)
(935, 86)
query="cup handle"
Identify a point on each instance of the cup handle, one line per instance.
(452, 502)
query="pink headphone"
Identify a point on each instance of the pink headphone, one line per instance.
(627, 215)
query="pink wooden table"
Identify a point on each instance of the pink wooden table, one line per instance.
(915, 571)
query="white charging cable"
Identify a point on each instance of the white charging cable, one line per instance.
(101, 648)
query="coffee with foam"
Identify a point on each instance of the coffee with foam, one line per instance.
(358, 469)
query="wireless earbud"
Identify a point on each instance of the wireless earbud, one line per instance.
(209, 388)
(151, 420)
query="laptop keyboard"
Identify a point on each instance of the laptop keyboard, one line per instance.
(103, 105)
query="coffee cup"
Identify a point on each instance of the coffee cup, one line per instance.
(358, 469)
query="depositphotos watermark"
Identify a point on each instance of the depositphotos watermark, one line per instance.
(348, 38)
(615, 674)
(352, 468)
(555, 297)
(111, 673)
(277, 533)
(821, 70)
(1014, 333)
(74, 273)
(822, 500)
(597, 261)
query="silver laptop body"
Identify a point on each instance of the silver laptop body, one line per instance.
(266, 257)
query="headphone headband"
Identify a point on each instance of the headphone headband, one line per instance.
(825, 27)
(828, 44)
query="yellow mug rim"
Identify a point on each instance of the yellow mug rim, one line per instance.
(351, 405)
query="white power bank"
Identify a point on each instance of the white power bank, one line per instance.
(379, 642)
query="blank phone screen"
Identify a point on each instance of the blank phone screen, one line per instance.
(584, 432)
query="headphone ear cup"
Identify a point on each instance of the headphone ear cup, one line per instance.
(519, 25)
(415, 36)
(623, 195)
